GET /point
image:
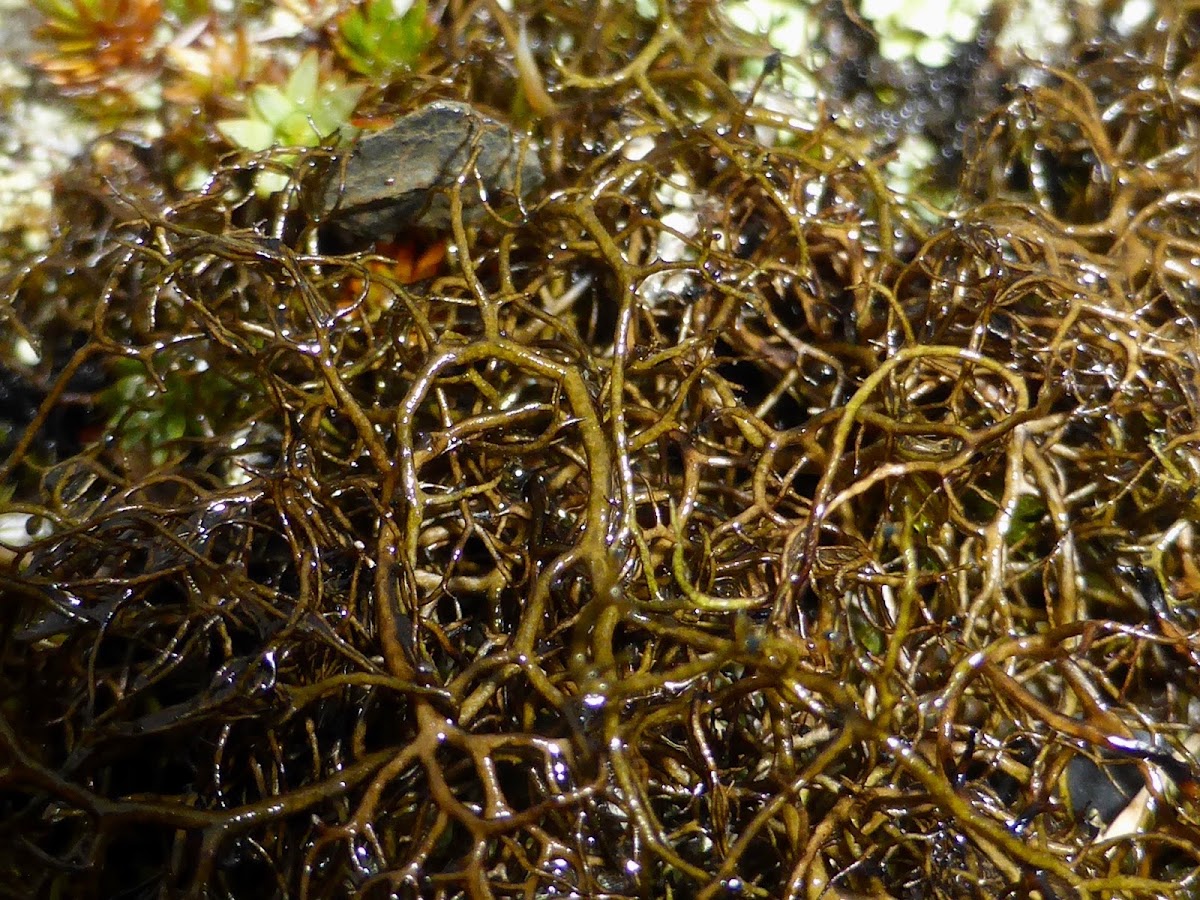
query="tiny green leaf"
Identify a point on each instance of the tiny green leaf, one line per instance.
(271, 105)
(302, 85)
(251, 134)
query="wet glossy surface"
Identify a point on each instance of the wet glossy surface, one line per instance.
(400, 177)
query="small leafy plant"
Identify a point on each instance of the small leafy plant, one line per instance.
(151, 413)
(378, 41)
(302, 113)
(105, 49)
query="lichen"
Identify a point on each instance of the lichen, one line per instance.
(924, 30)
(712, 519)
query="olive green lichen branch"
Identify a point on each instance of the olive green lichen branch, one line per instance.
(706, 519)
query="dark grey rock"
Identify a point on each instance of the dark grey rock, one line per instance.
(398, 178)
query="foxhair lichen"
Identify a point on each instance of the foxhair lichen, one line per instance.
(711, 519)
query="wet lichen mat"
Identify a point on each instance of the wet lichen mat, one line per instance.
(679, 450)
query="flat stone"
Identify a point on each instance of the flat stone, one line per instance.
(398, 178)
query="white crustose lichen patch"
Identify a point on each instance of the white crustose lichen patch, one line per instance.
(925, 30)
(37, 142)
(38, 138)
